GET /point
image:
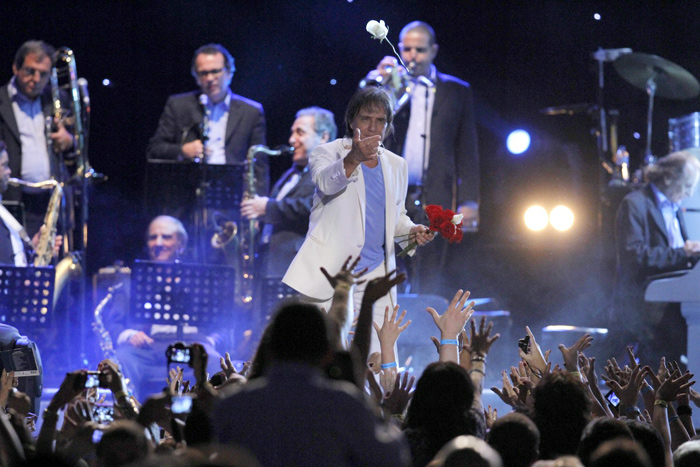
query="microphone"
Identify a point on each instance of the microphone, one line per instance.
(609, 55)
(283, 149)
(204, 101)
(83, 85)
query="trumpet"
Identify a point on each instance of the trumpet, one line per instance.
(397, 84)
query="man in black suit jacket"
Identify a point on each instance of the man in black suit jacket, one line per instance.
(651, 239)
(25, 103)
(234, 122)
(442, 152)
(286, 211)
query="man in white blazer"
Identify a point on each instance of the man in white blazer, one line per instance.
(358, 208)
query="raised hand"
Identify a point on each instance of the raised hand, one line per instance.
(534, 356)
(380, 286)
(455, 317)
(491, 415)
(481, 341)
(229, 369)
(629, 393)
(364, 149)
(345, 277)
(391, 328)
(570, 354)
(396, 400)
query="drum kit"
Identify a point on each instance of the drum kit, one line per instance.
(656, 76)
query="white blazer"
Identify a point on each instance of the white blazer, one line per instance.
(337, 222)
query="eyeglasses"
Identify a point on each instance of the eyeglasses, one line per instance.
(29, 71)
(419, 50)
(204, 73)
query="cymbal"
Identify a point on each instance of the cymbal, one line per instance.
(569, 109)
(672, 81)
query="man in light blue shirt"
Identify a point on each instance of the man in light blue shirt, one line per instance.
(33, 136)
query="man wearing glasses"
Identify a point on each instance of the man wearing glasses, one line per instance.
(435, 132)
(33, 145)
(233, 123)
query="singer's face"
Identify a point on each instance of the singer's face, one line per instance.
(212, 76)
(417, 52)
(163, 242)
(371, 121)
(304, 139)
(5, 171)
(33, 76)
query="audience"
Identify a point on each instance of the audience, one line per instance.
(306, 400)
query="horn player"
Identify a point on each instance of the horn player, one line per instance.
(25, 104)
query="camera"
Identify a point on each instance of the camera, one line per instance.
(179, 353)
(181, 404)
(524, 344)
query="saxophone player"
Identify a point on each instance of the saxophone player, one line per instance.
(285, 212)
(32, 145)
(12, 235)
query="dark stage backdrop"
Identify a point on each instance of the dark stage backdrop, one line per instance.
(519, 57)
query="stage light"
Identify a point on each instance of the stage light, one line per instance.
(596, 16)
(536, 218)
(334, 82)
(636, 135)
(106, 82)
(561, 218)
(518, 141)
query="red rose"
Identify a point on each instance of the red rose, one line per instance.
(447, 230)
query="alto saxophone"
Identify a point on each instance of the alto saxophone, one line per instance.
(68, 266)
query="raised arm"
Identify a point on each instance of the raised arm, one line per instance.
(451, 324)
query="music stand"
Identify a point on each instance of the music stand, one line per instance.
(26, 295)
(188, 191)
(182, 294)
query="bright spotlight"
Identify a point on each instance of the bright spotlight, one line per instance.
(518, 141)
(561, 218)
(536, 218)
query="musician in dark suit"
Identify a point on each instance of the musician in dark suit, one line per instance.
(25, 103)
(285, 212)
(441, 150)
(234, 122)
(651, 238)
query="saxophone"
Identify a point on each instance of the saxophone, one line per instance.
(249, 230)
(68, 266)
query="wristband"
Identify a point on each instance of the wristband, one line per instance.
(670, 419)
(388, 365)
(449, 342)
(575, 374)
(479, 358)
(684, 410)
(632, 409)
(661, 403)
(477, 370)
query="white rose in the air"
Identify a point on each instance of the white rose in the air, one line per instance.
(378, 29)
(457, 218)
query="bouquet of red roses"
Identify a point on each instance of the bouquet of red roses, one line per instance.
(442, 221)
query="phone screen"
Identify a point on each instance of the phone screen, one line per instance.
(93, 381)
(181, 404)
(97, 436)
(103, 414)
(180, 355)
(612, 398)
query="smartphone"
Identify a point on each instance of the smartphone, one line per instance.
(612, 398)
(181, 404)
(524, 344)
(93, 380)
(103, 414)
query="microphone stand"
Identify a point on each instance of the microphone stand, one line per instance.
(201, 216)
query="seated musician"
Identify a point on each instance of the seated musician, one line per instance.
(141, 352)
(651, 239)
(12, 245)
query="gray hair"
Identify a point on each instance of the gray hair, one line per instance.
(324, 121)
(179, 228)
(670, 170)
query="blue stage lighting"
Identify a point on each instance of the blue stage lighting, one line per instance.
(518, 142)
